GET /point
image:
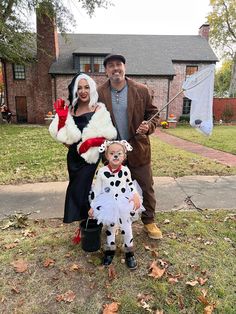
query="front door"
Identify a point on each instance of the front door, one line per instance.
(21, 109)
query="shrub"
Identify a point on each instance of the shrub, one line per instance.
(184, 119)
(228, 113)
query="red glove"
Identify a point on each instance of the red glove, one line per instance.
(62, 111)
(91, 142)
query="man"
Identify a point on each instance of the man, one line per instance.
(130, 105)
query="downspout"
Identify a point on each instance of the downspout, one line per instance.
(5, 84)
(167, 99)
(55, 86)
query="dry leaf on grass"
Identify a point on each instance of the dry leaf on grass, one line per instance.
(192, 283)
(15, 289)
(155, 271)
(209, 309)
(20, 265)
(10, 246)
(202, 281)
(144, 297)
(67, 297)
(29, 233)
(75, 267)
(49, 262)
(159, 312)
(110, 308)
(112, 272)
(173, 280)
(152, 250)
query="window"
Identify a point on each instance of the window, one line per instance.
(19, 71)
(89, 64)
(191, 70)
(186, 105)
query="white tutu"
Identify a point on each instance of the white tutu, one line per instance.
(110, 210)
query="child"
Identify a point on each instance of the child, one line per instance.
(115, 201)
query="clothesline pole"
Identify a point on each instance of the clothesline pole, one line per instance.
(165, 105)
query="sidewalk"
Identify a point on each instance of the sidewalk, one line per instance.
(205, 192)
(222, 157)
(190, 192)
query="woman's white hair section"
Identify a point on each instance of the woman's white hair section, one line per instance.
(92, 86)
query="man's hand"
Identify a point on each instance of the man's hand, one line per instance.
(136, 200)
(143, 128)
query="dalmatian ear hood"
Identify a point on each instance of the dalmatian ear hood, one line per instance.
(73, 97)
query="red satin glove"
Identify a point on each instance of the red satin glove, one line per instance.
(91, 142)
(62, 111)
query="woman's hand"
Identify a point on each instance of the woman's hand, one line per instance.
(90, 213)
(136, 199)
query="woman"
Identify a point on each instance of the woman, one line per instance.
(82, 127)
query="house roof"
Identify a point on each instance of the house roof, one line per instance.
(145, 54)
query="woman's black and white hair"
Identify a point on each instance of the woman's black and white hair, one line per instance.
(73, 87)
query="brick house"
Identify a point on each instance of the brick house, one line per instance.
(162, 62)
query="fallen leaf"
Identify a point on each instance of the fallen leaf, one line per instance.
(68, 254)
(202, 281)
(110, 308)
(173, 280)
(145, 306)
(15, 290)
(112, 272)
(192, 283)
(166, 221)
(152, 250)
(209, 309)
(144, 296)
(20, 265)
(75, 267)
(181, 302)
(159, 312)
(48, 262)
(66, 297)
(156, 272)
(10, 246)
(28, 233)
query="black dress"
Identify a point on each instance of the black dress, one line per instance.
(80, 178)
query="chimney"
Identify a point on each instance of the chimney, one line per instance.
(47, 53)
(204, 31)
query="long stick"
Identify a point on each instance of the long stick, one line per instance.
(165, 105)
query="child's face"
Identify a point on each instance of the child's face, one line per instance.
(115, 155)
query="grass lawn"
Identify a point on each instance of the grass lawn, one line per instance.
(29, 154)
(192, 270)
(222, 138)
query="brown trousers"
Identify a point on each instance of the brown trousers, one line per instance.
(143, 175)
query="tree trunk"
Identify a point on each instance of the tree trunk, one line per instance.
(232, 88)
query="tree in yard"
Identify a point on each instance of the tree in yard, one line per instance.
(223, 34)
(222, 79)
(16, 33)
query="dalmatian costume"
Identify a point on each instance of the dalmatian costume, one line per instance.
(110, 200)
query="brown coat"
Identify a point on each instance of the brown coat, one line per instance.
(140, 108)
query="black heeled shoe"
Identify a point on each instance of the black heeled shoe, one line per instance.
(130, 260)
(108, 257)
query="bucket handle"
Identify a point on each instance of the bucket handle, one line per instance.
(86, 226)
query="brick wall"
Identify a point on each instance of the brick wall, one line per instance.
(24, 88)
(220, 104)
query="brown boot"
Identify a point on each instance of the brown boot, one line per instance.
(152, 231)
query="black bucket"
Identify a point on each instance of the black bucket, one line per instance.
(90, 235)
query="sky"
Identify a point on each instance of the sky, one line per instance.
(150, 17)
